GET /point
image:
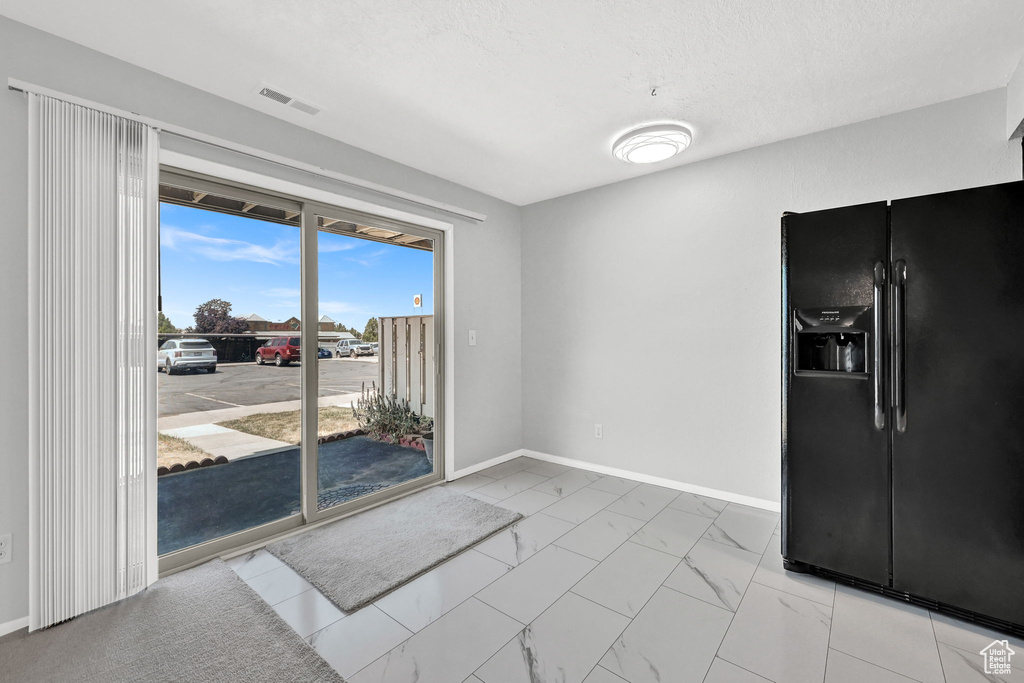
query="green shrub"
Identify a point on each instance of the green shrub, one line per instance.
(386, 417)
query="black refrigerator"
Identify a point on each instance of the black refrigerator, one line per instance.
(903, 399)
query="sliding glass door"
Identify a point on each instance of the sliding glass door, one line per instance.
(376, 421)
(299, 364)
(229, 384)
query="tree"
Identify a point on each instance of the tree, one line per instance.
(164, 325)
(370, 333)
(338, 327)
(215, 317)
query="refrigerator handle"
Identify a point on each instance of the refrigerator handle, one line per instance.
(899, 315)
(876, 365)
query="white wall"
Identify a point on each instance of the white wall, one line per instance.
(652, 305)
(487, 257)
(1015, 103)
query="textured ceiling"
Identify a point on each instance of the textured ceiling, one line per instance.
(522, 100)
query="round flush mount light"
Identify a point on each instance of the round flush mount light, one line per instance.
(652, 143)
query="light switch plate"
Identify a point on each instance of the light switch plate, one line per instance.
(472, 337)
(5, 548)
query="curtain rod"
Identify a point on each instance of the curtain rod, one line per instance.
(213, 141)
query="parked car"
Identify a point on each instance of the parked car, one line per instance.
(352, 348)
(178, 355)
(321, 352)
(375, 346)
(279, 351)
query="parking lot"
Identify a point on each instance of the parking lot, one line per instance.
(247, 384)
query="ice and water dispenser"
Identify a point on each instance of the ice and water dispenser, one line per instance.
(830, 342)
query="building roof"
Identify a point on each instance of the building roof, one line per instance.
(325, 319)
(255, 317)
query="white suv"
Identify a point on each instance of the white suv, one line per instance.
(176, 355)
(352, 348)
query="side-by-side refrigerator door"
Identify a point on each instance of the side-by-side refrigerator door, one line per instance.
(958, 438)
(835, 440)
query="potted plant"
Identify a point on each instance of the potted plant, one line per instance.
(428, 447)
(387, 418)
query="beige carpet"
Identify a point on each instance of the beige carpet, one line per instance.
(356, 560)
(203, 624)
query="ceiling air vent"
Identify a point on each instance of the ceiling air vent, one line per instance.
(293, 102)
(304, 107)
(276, 96)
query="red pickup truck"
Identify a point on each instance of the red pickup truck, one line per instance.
(279, 351)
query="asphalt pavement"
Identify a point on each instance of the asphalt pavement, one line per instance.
(247, 384)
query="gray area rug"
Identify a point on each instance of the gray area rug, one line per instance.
(356, 560)
(203, 624)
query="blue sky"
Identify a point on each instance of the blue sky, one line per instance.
(254, 264)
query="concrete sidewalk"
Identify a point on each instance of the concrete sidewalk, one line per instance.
(210, 416)
(230, 443)
(200, 430)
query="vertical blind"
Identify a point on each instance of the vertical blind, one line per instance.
(93, 240)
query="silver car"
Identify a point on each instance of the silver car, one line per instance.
(177, 355)
(352, 348)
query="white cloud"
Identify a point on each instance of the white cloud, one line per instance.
(222, 249)
(283, 292)
(339, 307)
(333, 246)
(371, 259)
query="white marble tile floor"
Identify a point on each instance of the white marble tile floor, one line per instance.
(608, 580)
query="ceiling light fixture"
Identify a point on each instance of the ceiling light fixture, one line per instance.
(652, 143)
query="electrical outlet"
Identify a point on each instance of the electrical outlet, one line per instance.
(598, 432)
(472, 337)
(5, 548)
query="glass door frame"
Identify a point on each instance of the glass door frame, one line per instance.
(310, 374)
(309, 310)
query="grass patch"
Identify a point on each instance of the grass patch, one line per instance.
(171, 450)
(287, 426)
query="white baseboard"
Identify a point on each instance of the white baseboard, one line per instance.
(770, 505)
(485, 464)
(12, 626)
